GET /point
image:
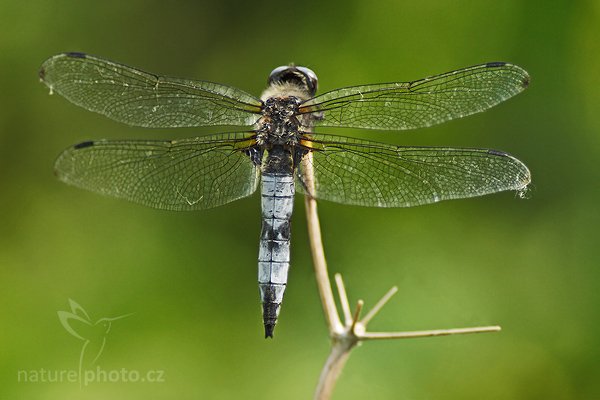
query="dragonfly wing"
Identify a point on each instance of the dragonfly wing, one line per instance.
(189, 174)
(364, 173)
(421, 103)
(139, 98)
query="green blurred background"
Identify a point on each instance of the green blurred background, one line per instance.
(190, 278)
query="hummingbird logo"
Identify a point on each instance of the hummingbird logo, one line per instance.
(93, 334)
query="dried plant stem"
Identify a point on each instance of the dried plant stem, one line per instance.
(320, 265)
(431, 333)
(331, 371)
(345, 336)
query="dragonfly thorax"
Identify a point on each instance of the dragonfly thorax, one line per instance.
(279, 124)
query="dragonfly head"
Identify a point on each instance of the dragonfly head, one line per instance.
(301, 76)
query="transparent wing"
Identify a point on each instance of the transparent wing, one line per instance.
(371, 174)
(138, 98)
(188, 174)
(421, 103)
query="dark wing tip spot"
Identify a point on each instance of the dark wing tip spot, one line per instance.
(76, 54)
(497, 153)
(42, 73)
(496, 64)
(83, 145)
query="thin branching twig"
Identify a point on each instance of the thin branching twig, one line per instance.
(345, 336)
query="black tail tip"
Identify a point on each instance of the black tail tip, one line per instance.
(269, 328)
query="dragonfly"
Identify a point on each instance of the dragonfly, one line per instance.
(276, 145)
